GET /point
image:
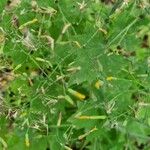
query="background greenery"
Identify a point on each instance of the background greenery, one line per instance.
(75, 75)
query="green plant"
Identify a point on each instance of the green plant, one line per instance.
(77, 75)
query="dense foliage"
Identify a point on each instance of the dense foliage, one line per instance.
(74, 75)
